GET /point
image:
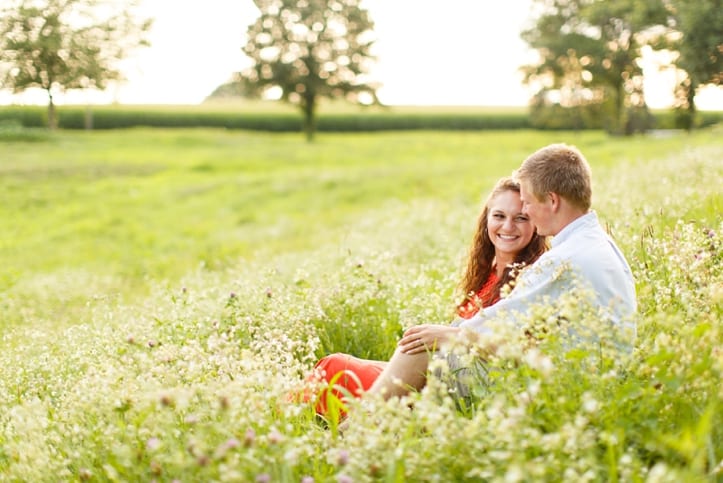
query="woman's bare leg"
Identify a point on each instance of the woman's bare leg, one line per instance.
(403, 373)
(371, 362)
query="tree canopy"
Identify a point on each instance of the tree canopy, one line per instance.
(66, 44)
(699, 43)
(308, 50)
(590, 51)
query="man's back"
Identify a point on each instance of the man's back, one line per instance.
(599, 263)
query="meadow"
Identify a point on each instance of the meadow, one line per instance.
(162, 291)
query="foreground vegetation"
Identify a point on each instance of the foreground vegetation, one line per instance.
(163, 291)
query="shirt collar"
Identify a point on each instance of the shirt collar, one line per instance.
(589, 219)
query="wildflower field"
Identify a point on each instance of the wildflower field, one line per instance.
(162, 292)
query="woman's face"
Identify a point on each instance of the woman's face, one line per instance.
(509, 229)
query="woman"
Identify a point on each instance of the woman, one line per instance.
(505, 239)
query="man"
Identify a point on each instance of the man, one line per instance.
(556, 192)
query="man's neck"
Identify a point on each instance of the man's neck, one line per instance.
(567, 215)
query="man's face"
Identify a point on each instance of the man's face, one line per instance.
(539, 212)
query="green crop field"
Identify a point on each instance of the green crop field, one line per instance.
(274, 116)
(162, 291)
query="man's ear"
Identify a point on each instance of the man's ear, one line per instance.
(554, 199)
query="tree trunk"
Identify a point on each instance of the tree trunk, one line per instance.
(620, 109)
(691, 105)
(52, 120)
(309, 118)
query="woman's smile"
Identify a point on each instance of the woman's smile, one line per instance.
(509, 229)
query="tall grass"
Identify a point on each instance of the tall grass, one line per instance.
(162, 291)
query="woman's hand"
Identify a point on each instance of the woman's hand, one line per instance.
(426, 337)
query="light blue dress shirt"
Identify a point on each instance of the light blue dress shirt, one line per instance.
(580, 253)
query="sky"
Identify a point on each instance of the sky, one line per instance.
(456, 52)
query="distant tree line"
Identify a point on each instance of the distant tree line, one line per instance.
(588, 72)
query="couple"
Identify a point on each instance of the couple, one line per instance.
(550, 196)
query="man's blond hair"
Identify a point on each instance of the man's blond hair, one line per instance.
(561, 169)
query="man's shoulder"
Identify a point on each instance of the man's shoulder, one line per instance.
(583, 238)
(588, 246)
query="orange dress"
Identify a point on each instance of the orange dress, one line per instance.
(346, 375)
(472, 306)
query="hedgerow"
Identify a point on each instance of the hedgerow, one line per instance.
(120, 117)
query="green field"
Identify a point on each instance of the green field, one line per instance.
(162, 290)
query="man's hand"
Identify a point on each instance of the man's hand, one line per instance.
(425, 337)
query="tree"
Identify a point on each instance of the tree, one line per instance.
(66, 44)
(588, 52)
(699, 43)
(311, 49)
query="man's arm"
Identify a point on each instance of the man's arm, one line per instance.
(535, 284)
